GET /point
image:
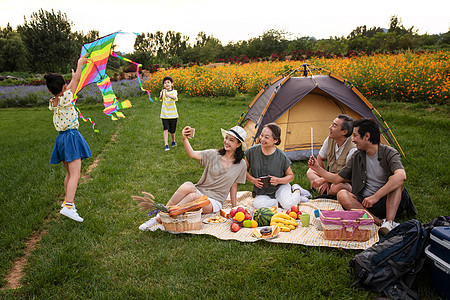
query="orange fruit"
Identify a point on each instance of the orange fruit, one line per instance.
(254, 224)
(239, 216)
(293, 214)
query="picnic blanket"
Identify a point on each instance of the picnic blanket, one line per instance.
(309, 236)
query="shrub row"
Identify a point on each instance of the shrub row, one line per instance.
(30, 96)
(406, 77)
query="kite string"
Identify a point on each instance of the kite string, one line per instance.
(83, 118)
(137, 72)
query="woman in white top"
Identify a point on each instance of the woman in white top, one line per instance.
(224, 169)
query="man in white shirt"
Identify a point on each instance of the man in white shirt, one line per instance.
(337, 149)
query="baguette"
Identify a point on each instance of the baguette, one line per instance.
(178, 210)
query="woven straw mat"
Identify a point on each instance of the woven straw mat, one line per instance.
(308, 236)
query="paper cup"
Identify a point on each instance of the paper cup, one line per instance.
(319, 224)
(266, 181)
(305, 219)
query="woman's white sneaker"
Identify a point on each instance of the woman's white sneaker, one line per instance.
(150, 225)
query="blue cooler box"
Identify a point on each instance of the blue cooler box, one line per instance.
(439, 253)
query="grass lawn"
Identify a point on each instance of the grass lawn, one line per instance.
(107, 257)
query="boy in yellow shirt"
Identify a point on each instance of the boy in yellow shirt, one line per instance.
(169, 113)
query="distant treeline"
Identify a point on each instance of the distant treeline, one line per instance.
(46, 43)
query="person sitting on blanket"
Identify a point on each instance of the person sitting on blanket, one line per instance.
(224, 169)
(265, 159)
(337, 149)
(377, 177)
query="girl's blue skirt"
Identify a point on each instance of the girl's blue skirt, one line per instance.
(69, 145)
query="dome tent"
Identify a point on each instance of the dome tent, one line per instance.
(297, 104)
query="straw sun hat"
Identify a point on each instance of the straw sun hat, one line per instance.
(239, 133)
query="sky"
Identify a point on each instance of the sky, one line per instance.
(233, 20)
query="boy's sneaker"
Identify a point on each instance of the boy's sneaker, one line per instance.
(71, 213)
(387, 226)
(174, 144)
(166, 148)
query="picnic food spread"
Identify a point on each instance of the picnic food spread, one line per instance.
(178, 210)
(216, 219)
(263, 216)
(284, 221)
(336, 222)
(266, 232)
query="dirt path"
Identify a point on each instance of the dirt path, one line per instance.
(16, 272)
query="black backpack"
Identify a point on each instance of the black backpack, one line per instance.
(390, 265)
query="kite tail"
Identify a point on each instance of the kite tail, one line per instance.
(137, 72)
(83, 118)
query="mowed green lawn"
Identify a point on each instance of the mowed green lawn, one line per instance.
(107, 257)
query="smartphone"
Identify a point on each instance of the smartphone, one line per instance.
(192, 133)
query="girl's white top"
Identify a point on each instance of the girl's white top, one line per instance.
(64, 114)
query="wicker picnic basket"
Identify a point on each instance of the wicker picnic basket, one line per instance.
(349, 225)
(187, 221)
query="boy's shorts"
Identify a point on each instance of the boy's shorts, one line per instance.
(379, 208)
(170, 124)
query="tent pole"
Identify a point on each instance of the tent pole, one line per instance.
(388, 128)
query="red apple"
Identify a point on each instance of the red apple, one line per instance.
(294, 208)
(235, 227)
(233, 212)
(247, 216)
(288, 211)
(299, 213)
(240, 209)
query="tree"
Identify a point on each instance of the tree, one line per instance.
(13, 53)
(271, 41)
(362, 31)
(206, 49)
(302, 43)
(396, 26)
(332, 45)
(444, 39)
(165, 46)
(49, 41)
(4, 31)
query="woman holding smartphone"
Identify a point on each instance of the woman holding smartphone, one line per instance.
(224, 169)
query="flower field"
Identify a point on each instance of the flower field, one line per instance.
(405, 77)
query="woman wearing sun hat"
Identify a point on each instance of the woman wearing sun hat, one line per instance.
(266, 160)
(224, 169)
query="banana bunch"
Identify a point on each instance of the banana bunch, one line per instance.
(284, 221)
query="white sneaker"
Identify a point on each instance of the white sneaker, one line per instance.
(64, 203)
(303, 199)
(387, 226)
(296, 187)
(150, 225)
(71, 213)
(303, 192)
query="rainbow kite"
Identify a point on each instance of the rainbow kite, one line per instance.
(95, 71)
